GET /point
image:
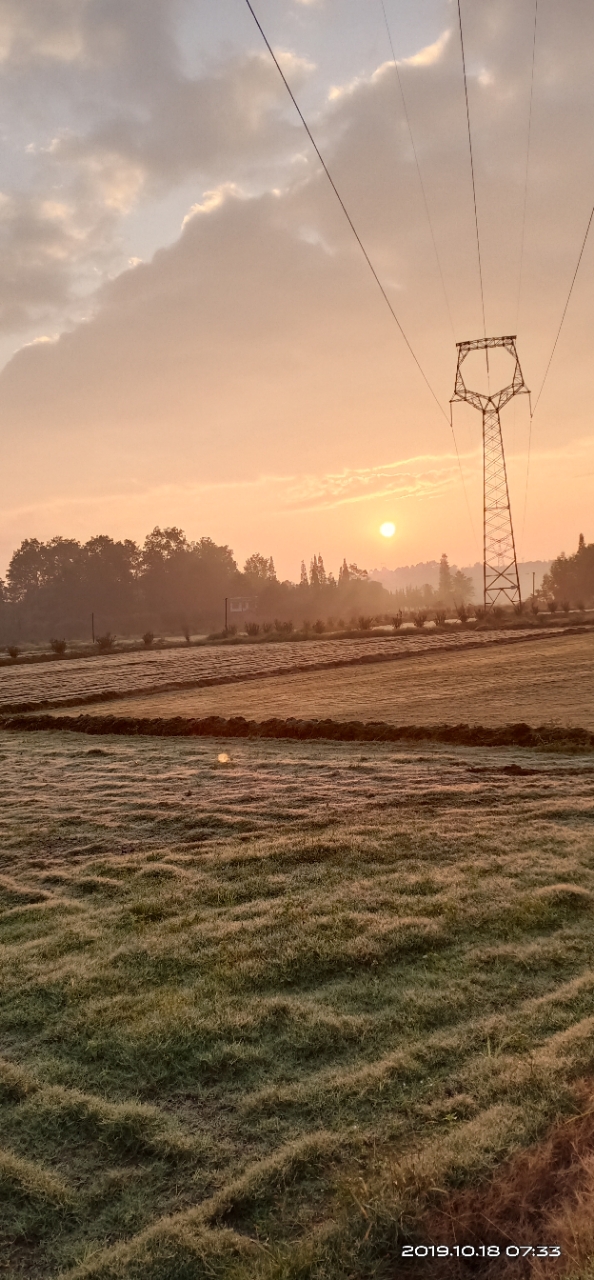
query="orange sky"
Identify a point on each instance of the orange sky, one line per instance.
(190, 333)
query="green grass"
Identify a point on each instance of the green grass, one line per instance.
(255, 1053)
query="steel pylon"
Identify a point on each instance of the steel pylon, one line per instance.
(500, 565)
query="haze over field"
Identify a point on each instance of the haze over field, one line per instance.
(189, 332)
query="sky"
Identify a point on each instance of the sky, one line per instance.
(189, 332)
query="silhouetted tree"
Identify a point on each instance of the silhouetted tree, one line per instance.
(162, 545)
(357, 575)
(260, 568)
(572, 577)
(462, 587)
(445, 579)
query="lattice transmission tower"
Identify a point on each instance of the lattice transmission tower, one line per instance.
(500, 565)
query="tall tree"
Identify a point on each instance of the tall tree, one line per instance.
(445, 579)
(462, 587)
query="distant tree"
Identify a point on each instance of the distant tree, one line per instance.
(445, 579)
(322, 579)
(39, 565)
(303, 580)
(357, 575)
(27, 570)
(260, 568)
(343, 572)
(109, 575)
(462, 586)
(314, 579)
(572, 577)
(162, 544)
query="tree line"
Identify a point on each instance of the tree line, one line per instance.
(168, 585)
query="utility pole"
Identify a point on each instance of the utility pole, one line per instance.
(500, 565)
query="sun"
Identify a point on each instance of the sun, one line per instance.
(388, 529)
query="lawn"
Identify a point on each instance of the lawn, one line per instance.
(539, 681)
(265, 1007)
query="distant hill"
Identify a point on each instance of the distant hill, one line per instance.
(427, 571)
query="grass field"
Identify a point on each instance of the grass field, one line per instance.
(268, 1015)
(536, 682)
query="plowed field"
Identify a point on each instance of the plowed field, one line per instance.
(543, 681)
(31, 687)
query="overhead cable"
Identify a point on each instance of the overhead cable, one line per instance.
(437, 257)
(476, 221)
(522, 242)
(419, 174)
(551, 357)
(567, 301)
(550, 360)
(528, 142)
(343, 206)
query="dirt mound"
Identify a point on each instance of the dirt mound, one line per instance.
(510, 735)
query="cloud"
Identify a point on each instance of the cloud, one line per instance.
(431, 54)
(257, 344)
(412, 478)
(33, 31)
(128, 126)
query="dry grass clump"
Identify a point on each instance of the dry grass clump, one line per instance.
(248, 1030)
(542, 1195)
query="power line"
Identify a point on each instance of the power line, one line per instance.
(343, 206)
(567, 301)
(550, 360)
(476, 222)
(522, 243)
(420, 176)
(438, 260)
(529, 139)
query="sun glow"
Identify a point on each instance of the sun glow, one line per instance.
(388, 529)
